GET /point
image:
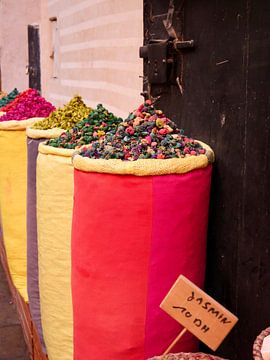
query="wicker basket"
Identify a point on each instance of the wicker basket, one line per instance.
(257, 355)
(187, 356)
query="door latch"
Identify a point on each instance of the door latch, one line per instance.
(156, 55)
(161, 58)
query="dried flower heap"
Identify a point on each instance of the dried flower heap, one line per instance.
(28, 104)
(93, 128)
(146, 134)
(8, 98)
(66, 117)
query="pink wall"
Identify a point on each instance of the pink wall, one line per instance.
(15, 15)
(97, 49)
(97, 52)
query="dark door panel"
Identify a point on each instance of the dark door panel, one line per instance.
(34, 57)
(222, 98)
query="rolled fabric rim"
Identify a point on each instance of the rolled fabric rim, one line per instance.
(46, 134)
(145, 167)
(47, 149)
(18, 124)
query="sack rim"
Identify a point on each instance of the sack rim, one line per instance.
(18, 124)
(51, 150)
(145, 167)
(44, 134)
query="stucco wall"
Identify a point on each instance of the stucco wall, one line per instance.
(98, 55)
(15, 15)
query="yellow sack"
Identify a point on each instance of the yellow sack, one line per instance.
(54, 217)
(13, 167)
(34, 138)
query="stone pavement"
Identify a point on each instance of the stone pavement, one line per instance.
(12, 344)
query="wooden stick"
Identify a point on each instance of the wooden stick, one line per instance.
(178, 337)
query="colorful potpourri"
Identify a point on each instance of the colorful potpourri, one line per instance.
(146, 134)
(8, 98)
(28, 104)
(94, 128)
(17, 100)
(66, 117)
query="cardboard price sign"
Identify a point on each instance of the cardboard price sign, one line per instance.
(200, 314)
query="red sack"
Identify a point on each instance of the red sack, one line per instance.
(132, 237)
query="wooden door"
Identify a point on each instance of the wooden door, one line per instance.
(34, 57)
(0, 78)
(222, 98)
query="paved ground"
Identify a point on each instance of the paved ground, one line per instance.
(12, 345)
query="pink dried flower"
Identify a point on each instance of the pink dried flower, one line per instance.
(163, 131)
(130, 130)
(30, 105)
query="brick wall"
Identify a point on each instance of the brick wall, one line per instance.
(15, 15)
(95, 45)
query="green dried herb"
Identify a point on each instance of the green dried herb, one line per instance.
(66, 117)
(8, 98)
(94, 128)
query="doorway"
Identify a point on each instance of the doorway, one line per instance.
(34, 57)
